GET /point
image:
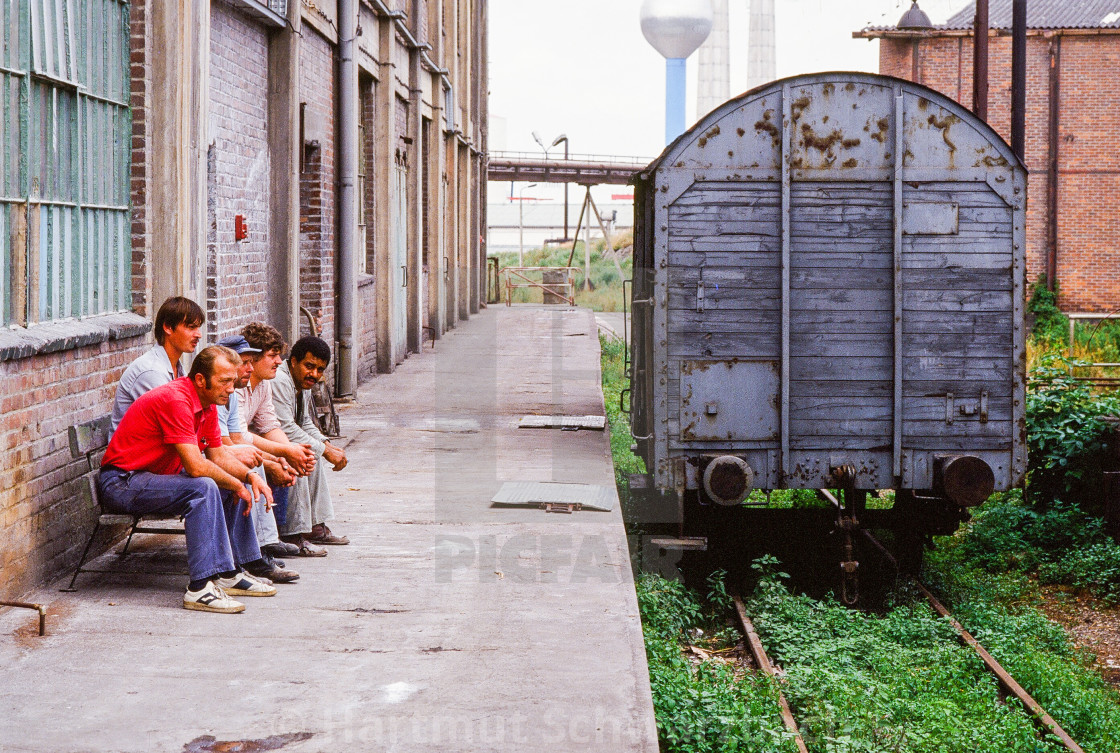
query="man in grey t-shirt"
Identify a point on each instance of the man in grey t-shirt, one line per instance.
(177, 332)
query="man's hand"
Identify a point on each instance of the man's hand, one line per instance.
(247, 454)
(259, 487)
(301, 457)
(334, 456)
(279, 473)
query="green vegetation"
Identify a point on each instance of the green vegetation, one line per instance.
(608, 270)
(703, 705)
(900, 681)
(999, 609)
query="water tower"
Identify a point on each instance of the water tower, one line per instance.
(675, 28)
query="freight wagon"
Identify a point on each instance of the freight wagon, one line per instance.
(828, 294)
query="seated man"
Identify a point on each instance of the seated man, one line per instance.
(309, 501)
(155, 463)
(230, 421)
(177, 332)
(261, 426)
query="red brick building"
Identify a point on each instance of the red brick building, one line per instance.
(152, 148)
(1072, 127)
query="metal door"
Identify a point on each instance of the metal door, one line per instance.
(398, 270)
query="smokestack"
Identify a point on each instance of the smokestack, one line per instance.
(713, 59)
(1018, 77)
(980, 61)
(761, 58)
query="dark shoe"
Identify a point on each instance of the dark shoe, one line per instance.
(320, 534)
(305, 548)
(281, 549)
(269, 569)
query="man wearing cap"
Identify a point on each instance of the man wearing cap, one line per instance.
(242, 447)
(167, 457)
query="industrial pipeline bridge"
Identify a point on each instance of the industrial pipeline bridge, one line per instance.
(582, 169)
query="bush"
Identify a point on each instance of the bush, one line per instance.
(1068, 444)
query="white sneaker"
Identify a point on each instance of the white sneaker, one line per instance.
(211, 598)
(244, 584)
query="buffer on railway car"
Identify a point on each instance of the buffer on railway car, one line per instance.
(829, 284)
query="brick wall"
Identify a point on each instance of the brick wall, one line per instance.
(239, 172)
(138, 62)
(1088, 151)
(42, 523)
(366, 326)
(317, 184)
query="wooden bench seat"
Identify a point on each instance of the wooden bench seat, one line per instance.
(88, 442)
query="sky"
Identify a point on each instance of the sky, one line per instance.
(583, 68)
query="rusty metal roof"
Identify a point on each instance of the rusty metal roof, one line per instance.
(1041, 14)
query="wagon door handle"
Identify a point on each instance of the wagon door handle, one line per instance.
(404, 275)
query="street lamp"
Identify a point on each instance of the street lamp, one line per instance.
(521, 224)
(556, 142)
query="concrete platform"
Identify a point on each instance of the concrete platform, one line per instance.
(446, 624)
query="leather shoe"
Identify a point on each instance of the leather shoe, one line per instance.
(321, 535)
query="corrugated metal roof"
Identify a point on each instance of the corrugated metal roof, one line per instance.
(1041, 14)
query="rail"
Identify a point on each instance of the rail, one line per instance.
(563, 290)
(1043, 720)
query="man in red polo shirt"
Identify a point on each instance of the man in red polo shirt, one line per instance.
(166, 456)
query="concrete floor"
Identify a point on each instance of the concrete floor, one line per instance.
(446, 624)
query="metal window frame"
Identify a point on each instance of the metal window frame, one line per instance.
(65, 220)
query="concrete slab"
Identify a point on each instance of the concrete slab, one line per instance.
(447, 624)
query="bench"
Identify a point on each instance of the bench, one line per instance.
(88, 442)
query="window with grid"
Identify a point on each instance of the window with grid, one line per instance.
(65, 151)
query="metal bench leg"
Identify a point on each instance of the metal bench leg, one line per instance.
(70, 588)
(131, 532)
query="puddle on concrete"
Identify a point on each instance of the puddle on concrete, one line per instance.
(210, 744)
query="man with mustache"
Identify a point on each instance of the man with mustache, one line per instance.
(309, 501)
(177, 331)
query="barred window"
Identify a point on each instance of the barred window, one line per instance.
(65, 152)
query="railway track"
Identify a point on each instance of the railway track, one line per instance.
(1042, 719)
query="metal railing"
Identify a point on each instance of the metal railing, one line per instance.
(518, 277)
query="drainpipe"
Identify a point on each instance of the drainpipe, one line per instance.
(347, 301)
(980, 61)
(1019, 78)
(1052, 168)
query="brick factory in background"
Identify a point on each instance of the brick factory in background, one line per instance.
(1072, 127)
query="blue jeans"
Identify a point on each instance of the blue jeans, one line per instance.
(220, 534)
(280, 504)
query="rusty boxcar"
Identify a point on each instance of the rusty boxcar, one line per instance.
(828, 294)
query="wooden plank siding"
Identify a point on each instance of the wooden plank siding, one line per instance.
(957, 327)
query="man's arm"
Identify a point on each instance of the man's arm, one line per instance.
(284, 396)
(276, 442)
(198, 466)
(242, 447)
(224, 459)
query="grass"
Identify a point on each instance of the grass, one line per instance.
(608, 270)
(899, 681)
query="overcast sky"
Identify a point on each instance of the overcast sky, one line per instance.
(582, 67)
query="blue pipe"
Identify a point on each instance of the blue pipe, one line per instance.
(674, 98)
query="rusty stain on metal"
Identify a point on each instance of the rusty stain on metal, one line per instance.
(882, 125)
(1005, 679)
(767, 124)
(797, 106)
(210, 744)
(944, 124)
(991, 161)
(852, 162)
(709, 134)
(763, 662)
(741, 132)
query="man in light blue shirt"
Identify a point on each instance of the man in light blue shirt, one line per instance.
(177, 332)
